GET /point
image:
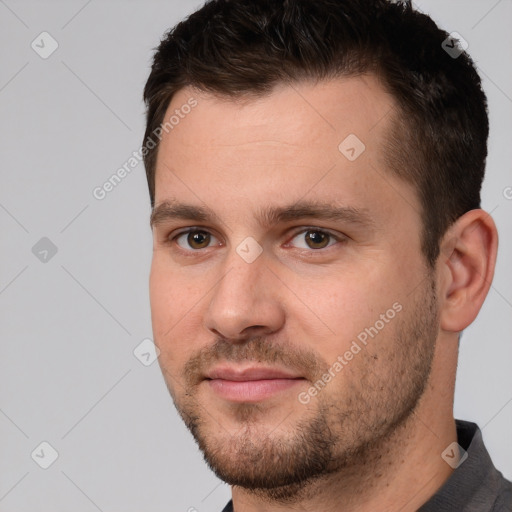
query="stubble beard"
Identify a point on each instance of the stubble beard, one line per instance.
(336, 434)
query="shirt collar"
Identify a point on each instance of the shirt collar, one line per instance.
(474, 482)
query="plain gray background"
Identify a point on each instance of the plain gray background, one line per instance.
(70, 324)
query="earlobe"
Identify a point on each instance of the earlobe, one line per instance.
(467, 261)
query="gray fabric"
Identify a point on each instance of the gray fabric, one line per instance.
(475, 486)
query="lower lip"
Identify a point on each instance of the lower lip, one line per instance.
(251, 390)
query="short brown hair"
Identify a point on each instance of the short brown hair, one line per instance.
(439, 137)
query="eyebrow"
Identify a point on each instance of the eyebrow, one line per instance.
(269, 216)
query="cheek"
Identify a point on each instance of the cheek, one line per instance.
(170, 289)
(168, 300)
(331, 312)
(176, 305)
(339, 298)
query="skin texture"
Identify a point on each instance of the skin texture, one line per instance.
(372, 437)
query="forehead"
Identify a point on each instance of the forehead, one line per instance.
(291, 113)
(320, 140)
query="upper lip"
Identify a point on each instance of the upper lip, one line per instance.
(251, 373)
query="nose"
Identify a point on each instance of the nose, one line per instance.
(246, 302)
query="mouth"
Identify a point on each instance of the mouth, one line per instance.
(250, 384)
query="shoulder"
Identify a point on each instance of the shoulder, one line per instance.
(503, 501)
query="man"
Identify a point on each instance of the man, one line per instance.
(314, 169)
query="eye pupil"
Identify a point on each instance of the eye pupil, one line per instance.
(198, 239)
(317, 239)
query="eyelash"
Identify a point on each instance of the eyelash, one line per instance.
(303, 230)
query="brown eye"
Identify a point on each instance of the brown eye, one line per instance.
(194, 239)
(317, 239)
(313, 238)
(198, 239)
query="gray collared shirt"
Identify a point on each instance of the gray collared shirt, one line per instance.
(475, 486)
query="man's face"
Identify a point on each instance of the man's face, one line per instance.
(296, 316)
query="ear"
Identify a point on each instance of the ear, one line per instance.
(466, 268)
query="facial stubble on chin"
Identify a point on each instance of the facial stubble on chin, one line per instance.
(278, 461)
